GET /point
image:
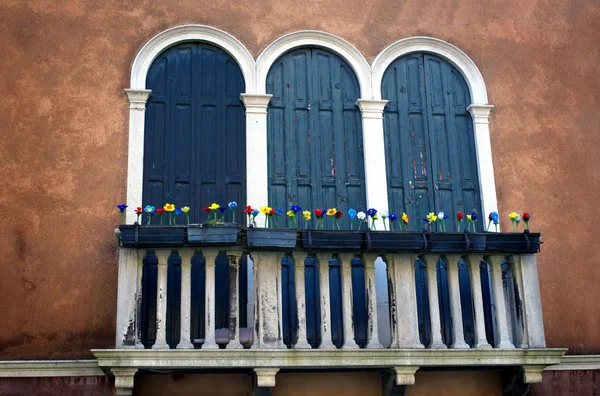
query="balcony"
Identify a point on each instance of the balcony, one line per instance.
(486, 303)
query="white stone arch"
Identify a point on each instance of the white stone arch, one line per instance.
(180, 34)
(314, 38)
(479, 108)
(452, 54)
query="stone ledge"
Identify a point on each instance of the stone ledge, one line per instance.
(50, 368)
(298, 359)
(577, 362)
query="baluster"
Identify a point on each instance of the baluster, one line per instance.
(186, 256)
(403, 301)
(430, 261)
(495, 262)
(347, 300)
(210, 256)
(299, 259)
(161, 300)
(455, 305)
(234, 323)
(323, 260)
(473, 261)
(372, 323)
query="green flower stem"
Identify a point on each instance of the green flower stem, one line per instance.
(458, 226)
(161, 219)
(489, 224)
(337, 223)
(233, 213)
(187, 218)
(149, 219)
(266, 218)
(170, 219)
(527, 225)
(122, 217)
(384, 225)
(496, 227)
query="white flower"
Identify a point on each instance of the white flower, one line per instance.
(518, 218)
(384, 213)
(361, 215)
(441, 215)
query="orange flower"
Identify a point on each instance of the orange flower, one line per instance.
(169, 207)
(331, 212)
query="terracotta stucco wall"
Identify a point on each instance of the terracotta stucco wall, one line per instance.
(63, 146)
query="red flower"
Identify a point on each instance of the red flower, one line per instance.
(338, 214)
(319, 213)
(160, 211)
(526, 216)
(272, 212)
(490, 216)
(138, 210)
(459, 216)
(206, 209)
(248, 209)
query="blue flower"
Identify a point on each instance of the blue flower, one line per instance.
(178, 212)
(371, 212)
(495, 217)
(232, 205)
(255, 213)
(278, 210)
(122, 207)
(296, 208)
(222, 209)
(393, 217)
(474, 216)
(149, 209)
(445, 216)
(351, 214)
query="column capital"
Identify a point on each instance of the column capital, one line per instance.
(480, 113)
(137, 98)
(256, 103)
(405, 375)
(532, 374)
(124, 379)
(371, 108)
(265, 377)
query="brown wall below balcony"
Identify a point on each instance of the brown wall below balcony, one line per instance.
(64, 134)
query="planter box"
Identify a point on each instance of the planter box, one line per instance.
(221, 234)
(391, 241)
(332, 240)
(456, 242)
(277, 238)
(152, 236)
(513, 242)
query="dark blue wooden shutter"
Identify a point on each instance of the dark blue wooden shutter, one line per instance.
(195, 154)
(315, 158)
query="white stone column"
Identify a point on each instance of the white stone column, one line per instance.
(268, 300)
(458, 339)
(210, 256)
(234, 296)
(522, 339)
(323, 259)
(403, 301)
(473, 261)
(299, 259)
(430, 261)
(374, 150)
(186, 299)
(483, 149)
(345, 260)
(256, 305)
(503, 339)
(135, 156)
(372, 322)
(279, 257)
(257, 193)
(532, 302)
(138, 299)
(128, 296)
(161, 299)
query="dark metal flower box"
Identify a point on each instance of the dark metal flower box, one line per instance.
(513, 242)
(277, 238)
(337, 240)
(152, 236)
(218, 234)
(456, 242)
(393, 241)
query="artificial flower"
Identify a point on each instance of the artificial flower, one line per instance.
(361, 216)
(248, 212)
(266, 210)
(526, 217)
(372, 213)
(296, 208)
(161, 212)
(459, 217)
(517, 221)
(431, 218)
(404, 219)
(384, 215)
(150, 212)
(122, 208)
(393, 217)
(352, 217)
(337, 216)
(290, 213)
(206, 209)
(331, 212)
(319, 215)
(307, 215)
(214, 206)
(138, 213)
(169, 207)
(177, 213)
(441, 216)
(493, 218)
(255, 213)
(232, 205)
(512, 216)
(186, 210)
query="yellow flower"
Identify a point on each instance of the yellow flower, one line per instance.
(331, 212)
(185, 209)
(375, 216)
(306, 215)
(265, 209)
(404, 218)
(291, 213)
(469, 217)
(214, 206)
(169, 207)
(512, 215)
(431, 217)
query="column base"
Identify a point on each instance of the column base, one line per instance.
(302, 345)
(209, 345)
(234, 344)
(161, 346)
(374, 344)
(438, 345)
(185, 345)
(460, 345)
(327, 345)
(350, 345)
(416, 345)
(482, 345)
(506, 345)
